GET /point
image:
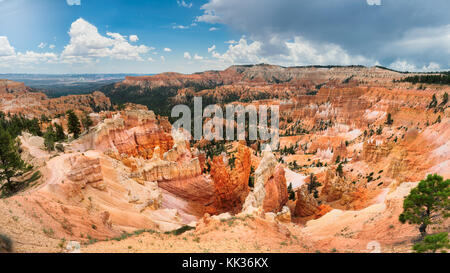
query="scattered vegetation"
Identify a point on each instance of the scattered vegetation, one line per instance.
(73, 124)
(432, 243)
(181, 230)
(313, 185)
(443, 79)
(291, 192)
(428, 203)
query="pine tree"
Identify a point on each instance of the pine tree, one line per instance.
(444, 99)
(432, 243)
(59, 133)
(74, 124)
(340, 170)
(389, 120)
(433, 102)
(49, 138)
(87, 122)
(427, 202)
(291, 192)
(12, 166)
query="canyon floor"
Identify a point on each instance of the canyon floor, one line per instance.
(353, 141)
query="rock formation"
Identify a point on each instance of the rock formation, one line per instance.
(306, 204)
(134, 133)
(270, 190)
(231, 183)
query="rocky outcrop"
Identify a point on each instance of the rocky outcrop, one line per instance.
(231, 183)
(374, 151)
(335, 186)
(276, 191)
(306, 204)
(86, 171)
(134, 133)
(270, 191)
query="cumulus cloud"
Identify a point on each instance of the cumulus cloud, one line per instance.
(74, 2)
(9, 57)
(42, 45)
(402, 65)
(353, 26)
(213, 29)
(86, 44)
(6, 49)
(167, 49)
(51, 46)
(184, 4)
(33, 57)
(187, 55)
(300, 52)
(134, 38)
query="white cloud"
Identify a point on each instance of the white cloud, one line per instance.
(51, 46)
(74, 2)
(116, 36)
(187, 55)
(231, 42)
(213, 29)
(300, 52)
(197, 57)
(42, 45)
(134, 38)
(402, 65)
(419, 40)
(180, 27)
(163, 59)
(182, 3)
(150, 59)
(241, 53)
(373, 2)
(86, 44)
(8, 56)
(5, 47)
(211, 48)
(167, 49)
(33, 57)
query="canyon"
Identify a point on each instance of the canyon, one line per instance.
(132, 183)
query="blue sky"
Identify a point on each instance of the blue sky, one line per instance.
(127, 36)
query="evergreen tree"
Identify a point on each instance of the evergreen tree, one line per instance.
(340, 170)
(438, 120)
(427, 202)
(49, 138)
(313, 185)
(433, 102)
(389, 120)
(12, 166)
(74, 124)
(87, 122)
(59, 133)
(444, 99)
(432, 243)
(291, 192)
(33, 126)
